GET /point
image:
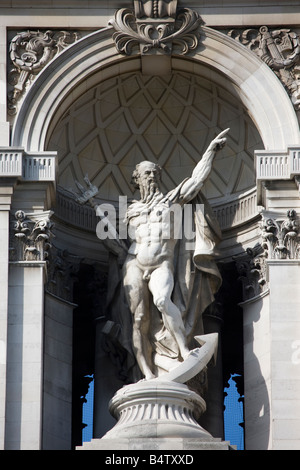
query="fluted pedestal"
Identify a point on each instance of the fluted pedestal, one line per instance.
(156, 415)
(162, 413)
(156, 409)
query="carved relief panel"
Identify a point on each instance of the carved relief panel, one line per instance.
(280, 50)
(29, 52)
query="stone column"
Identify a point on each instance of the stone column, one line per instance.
(257, 378)
(4, 125)
(25, 355)
(272, 337)
(58, 350)
(57, 383)
(284, 278)
(30, 243)
(6, 191)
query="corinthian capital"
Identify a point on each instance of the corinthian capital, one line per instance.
(281, 237)
(32, 235)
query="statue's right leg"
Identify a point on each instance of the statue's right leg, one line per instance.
(137, 296)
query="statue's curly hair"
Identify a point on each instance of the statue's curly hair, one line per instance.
(136, 173)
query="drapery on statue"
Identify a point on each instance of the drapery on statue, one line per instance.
(168, 287)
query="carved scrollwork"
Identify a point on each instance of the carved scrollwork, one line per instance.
(32, 236)
(280, 50)
(251, 267)
(30, 52)
(156, 36)
(281, 237)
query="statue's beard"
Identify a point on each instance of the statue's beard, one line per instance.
(148, 189)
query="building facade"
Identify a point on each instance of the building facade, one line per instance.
(85, 90)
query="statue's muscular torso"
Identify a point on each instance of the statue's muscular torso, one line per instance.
(152, 235)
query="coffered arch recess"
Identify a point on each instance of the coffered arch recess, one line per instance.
(169, 120)
(102, 116)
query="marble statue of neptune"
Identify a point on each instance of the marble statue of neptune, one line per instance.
(153, 257)
(167, 287)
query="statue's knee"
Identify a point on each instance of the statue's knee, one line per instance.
(161, 303)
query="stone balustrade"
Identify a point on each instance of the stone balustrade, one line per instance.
(277, 165)
(37, 166)
(236, 211)
(229, 214)
(10, 162)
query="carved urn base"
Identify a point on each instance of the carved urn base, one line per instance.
(153, 409)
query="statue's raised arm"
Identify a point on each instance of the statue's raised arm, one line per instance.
(192, 185)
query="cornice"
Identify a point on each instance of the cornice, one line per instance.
(100, 4)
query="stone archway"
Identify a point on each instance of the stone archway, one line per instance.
(94, 58)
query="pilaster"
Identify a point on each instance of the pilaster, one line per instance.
(25, 355)
(6, 192)
(27, 190)
(4, 125)
(284, 275)
(270, 274)
(62, 271)
(30, 242)
(271, 360)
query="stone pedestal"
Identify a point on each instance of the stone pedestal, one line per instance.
(153, 408)
(157, 444)
(156, 415)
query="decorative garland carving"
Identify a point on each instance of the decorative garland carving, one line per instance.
(280, 50)
(30, 52)
(32, 236)
(157, 34)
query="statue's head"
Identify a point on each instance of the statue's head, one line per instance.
(146, 178)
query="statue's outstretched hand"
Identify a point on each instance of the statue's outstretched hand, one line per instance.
(219, 142)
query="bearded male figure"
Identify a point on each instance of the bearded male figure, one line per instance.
(166, 288)
(166, 284)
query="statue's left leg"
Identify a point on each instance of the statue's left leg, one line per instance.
(137, 296)
(161, 285)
